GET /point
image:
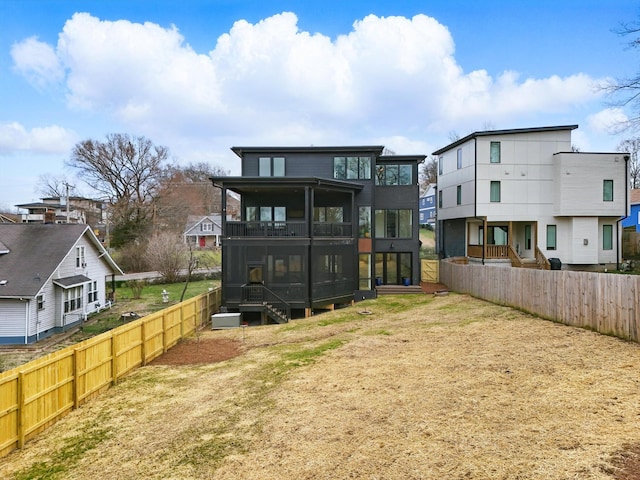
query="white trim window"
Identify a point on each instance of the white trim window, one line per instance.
(72, 299)
(81, 260)
(92, 292)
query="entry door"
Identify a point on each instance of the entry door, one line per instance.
(393, 267)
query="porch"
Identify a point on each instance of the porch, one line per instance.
(512, 241)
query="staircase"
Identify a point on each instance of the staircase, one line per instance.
(540, 261)
(257, 297)
(398, 289)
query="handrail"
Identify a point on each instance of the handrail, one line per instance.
(259, 294)
(516, 261)
(541, 260)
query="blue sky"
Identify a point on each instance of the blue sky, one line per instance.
(201, 76)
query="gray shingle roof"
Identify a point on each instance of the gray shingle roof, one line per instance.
(35, 251)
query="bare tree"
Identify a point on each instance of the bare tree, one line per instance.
(632, 147)
(128, 170)
(49, 185)
(429, 172)
(626, 90)
(168, 255)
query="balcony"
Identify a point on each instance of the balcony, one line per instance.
(286, 229)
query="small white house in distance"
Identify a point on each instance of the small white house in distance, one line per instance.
(523, 197)
(51, 277)
(203, 231)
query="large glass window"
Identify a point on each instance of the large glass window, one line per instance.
(607, 190)
(551, 237)
(607, 237)
(352, 168)
(494, 152)
(393, 223)
(271, 166)
(390, 175)
(494, 194)
(364, 269)
(328, 214)
(364, 221)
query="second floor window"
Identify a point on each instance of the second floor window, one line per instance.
(364, 221)
(607, 190)
(271, 166)
(206, 227)
(459, 195)
(266, 214)
(393, 223)
(352, 168)
(459, 159)
(494, 155)
(439, 198)
(394, 175)
(81, 261)
(328, 214)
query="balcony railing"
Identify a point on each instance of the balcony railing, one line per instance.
(286, 229)
(266, 229)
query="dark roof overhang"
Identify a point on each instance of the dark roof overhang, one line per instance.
(73, 281)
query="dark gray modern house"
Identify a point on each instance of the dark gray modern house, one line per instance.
(319, 227)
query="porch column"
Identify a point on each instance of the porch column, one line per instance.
(510, 234)
(484, 238)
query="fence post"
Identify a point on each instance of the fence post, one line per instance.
(21, 412)
(114, 360)
(76, 379)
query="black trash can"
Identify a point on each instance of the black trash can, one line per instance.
(556, 264)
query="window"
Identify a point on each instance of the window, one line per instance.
(328, 214)
(394, 175)
(494, 154)
(364, 271)
(527, 237)
(92, 295)
(607, 237)
(459, 195)
(271, 166)
(459, 159)
(206, 227)
(607, 190)
(551, 237)
(81, 261)
(72, 299)
(439, 165)
(266, 214)
(494, 195)
(352, 168)
(364, 221)
(393, 223)
(439, 198)
(40, 301)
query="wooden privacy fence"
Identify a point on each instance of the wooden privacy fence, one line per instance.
(606, 303)
(35, 395)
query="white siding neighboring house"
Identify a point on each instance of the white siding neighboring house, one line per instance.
(51, 277)
(522, 195)
(203, 231)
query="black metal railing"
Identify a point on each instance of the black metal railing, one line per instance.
(332, 229)
(256, 293)
(266, 229)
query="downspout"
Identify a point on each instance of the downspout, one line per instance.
(26, 318)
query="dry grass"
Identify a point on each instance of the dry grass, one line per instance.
(423, 388)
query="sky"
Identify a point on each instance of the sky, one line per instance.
(201, 76)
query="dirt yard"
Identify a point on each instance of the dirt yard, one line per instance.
(408, 387)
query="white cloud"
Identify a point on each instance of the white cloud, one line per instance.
(270, 82)
(609, 120)
(52, 139)
(37, 62)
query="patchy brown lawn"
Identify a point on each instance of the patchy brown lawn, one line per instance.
(423, 387)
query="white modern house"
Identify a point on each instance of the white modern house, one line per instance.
(51, 277)
(522, 196)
